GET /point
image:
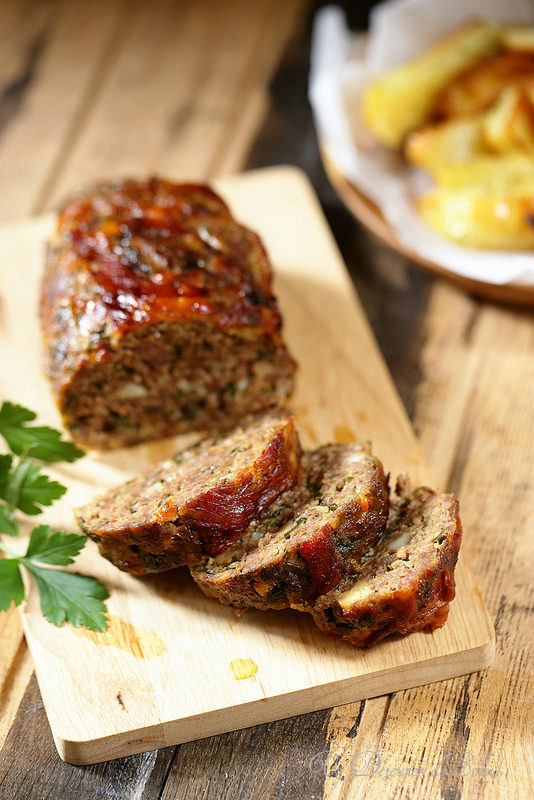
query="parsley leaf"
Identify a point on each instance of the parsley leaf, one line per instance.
(15, 415)
(5, 466)
(27, 488)
(70, 597)
(11, 586)
(54, 548)
(64, 596)
(38, 441)
(8, 523)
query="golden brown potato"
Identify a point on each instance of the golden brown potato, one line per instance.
(508, 125)
(518, 37)
(402, 99)
(479, 86)
(474, 220)
(493, 174)
(464, 111)
(488, 203)
(452, 142)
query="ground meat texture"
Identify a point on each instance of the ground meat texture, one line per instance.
(405, 583)
(198, 503)
(336, 514)
(158, 315)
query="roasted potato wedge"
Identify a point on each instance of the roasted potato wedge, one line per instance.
(402, 99)
(478, 87)
(487, 204)
(492, 173)
(475, 220)
(518, 37)
(508, 126)
(452, 142)
(464, 112)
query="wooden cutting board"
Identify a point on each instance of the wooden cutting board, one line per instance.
(173, 665)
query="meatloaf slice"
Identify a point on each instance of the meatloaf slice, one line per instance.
(405, 583)
(335, 515)
(198, 503)
(158, 315)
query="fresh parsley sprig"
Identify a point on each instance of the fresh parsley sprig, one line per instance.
(24, 486)
(65, 596)
(37, 441)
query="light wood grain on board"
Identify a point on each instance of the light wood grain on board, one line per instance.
(104, 700)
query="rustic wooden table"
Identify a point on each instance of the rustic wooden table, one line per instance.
(197, 89)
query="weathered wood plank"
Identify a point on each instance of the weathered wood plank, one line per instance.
(16, 667)
(30, 766)
(62, 54)
(263, 763)
(22, 31)
(447, 364)
(174, 98)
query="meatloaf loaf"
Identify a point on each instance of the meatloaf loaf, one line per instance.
(198, 503)
(309, 539)
(158, 315)
(405, 583)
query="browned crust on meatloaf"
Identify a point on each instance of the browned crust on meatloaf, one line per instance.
(158, 315)
(159, 202)
(341, 510)
(198, 503)
(407, 582)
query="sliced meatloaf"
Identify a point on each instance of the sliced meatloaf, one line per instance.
(309, 539)
(406, 582)
(158, 315)
(198, 503)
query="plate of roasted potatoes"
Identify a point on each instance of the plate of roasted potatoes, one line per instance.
(460, 117)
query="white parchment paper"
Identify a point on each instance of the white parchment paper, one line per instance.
(341, 65)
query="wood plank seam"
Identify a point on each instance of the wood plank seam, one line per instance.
(167, 772)
(12, 96)
(463, 437)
